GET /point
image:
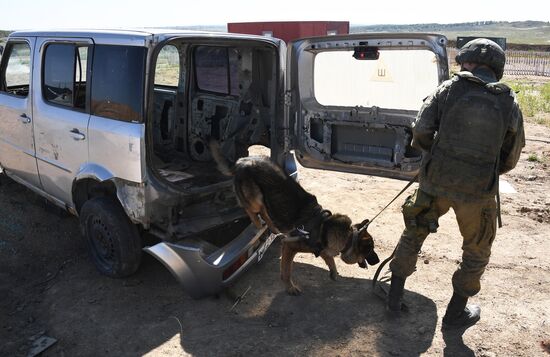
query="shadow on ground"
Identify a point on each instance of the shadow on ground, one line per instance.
(49, 286)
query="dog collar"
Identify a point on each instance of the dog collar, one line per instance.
(353, 242)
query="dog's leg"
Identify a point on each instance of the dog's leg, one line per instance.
(251, 199)
(267, 220)
(254, 218)
(331, 265)
(287, 257)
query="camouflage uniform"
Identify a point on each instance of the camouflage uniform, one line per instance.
(471, 131)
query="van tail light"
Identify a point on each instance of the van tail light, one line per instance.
(235, 266)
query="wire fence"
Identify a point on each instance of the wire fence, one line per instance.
(518, 63)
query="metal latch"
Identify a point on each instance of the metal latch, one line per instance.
(288, 98)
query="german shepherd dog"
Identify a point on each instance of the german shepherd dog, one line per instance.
(265, 191)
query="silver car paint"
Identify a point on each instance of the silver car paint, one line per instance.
(16, 131)
(119, 147)
(131, 195)
(101, 37)
(116, 152)
(301, 95)
(61, 134)
(90, 170)
(184, 262)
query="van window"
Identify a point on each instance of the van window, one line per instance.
(167, 72)
(118, 74)
(16, 77)
(64, 79)
(398, 79)
(217, 69)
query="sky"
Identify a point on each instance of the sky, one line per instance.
(36, 14)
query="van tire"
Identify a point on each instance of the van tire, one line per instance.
(113, 240)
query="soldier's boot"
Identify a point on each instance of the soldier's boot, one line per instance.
(460, 315)
(394, 304)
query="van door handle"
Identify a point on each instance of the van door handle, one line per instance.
(24, 118)
(77, 135)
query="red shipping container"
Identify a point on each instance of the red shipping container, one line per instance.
(289, 31)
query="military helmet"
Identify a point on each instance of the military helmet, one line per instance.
(483, 51)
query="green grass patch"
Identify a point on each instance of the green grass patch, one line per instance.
(542, 120)
(533, 98)
(533, 158)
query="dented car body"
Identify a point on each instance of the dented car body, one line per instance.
(123, 118)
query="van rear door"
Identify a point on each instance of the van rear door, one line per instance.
(351, 100)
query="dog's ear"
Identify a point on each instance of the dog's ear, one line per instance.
(366, 237)
(366, 249)
(359, 225)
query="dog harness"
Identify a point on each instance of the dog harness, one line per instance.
(311, 231)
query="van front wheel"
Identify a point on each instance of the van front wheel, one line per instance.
(113, 240)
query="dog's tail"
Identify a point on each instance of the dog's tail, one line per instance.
(224, 166)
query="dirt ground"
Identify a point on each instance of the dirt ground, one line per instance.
(49, 286)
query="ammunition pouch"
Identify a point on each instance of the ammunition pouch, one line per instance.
(419, 212)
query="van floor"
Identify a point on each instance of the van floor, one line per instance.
(186, 173)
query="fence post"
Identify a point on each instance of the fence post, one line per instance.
(522, 63)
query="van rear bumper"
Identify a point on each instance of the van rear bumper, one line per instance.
(201, 274)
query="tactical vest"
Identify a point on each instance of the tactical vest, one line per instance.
(466, 150)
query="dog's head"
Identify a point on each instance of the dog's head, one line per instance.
(361, 248)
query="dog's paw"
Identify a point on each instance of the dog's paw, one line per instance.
(293, 290)
(334, 275)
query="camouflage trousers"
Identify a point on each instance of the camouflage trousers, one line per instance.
(477, 224)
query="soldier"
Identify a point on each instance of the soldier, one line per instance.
(470, 131)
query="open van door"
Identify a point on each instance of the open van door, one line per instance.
(351, 100)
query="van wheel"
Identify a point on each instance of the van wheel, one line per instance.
(113, 240)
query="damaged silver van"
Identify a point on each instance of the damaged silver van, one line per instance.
(113, 126)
